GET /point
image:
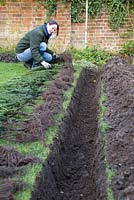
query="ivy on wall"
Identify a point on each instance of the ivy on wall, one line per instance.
(50, 5)
(118, 10)
(77, 9)
(3, 2)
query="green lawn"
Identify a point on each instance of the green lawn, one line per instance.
(9, 71)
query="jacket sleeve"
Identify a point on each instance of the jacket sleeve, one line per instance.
(35, 40)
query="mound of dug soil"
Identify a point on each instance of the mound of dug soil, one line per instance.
(119, 83)
(75, 168)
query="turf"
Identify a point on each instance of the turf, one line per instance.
(9, 71)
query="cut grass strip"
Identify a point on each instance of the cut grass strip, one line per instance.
(103, 128)
(9, 71)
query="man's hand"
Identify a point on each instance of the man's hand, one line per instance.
(45, 65)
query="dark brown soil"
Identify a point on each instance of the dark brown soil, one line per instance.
(75, 167)
(8, 57)
(119, 83)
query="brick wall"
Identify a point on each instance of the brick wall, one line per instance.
(64, 19)
(101, 34)
(16, 18)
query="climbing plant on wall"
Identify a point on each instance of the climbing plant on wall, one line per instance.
(94, 7)
(77, 8)
(118, 10)
(3, 2)
(50, 5)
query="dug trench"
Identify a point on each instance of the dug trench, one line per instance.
(75, 167)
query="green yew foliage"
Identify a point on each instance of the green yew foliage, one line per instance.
(20, 92)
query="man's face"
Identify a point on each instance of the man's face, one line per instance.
(51, 28)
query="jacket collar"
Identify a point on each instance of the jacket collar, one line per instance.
(46, 31)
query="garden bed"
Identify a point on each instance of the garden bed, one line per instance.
(119, 84)
(79, 166)
(75, 168)
(81, 157)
